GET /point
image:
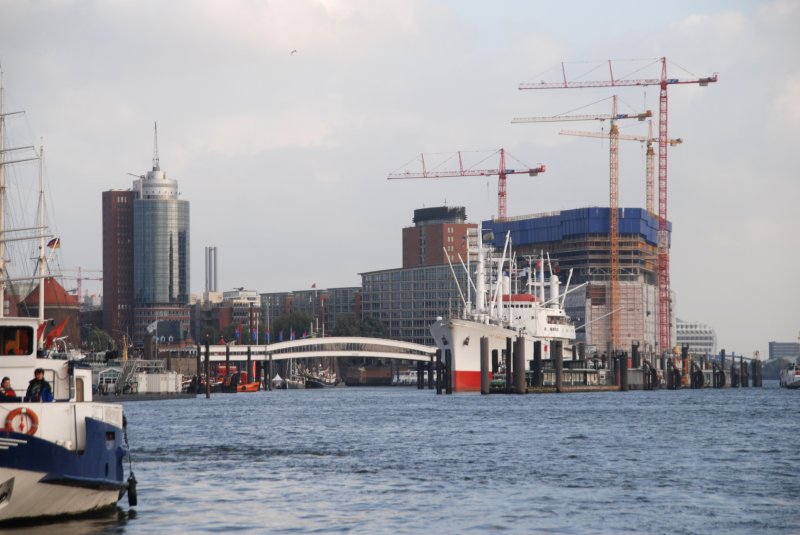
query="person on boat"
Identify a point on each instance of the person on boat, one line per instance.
(38, 388)
(5, 388)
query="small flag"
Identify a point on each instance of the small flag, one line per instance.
(152, 327)
(291, 334)
(254, 335)
(55, 333)
(40, 331)
(239, 333)
(266, 337)
(314, 285)
(55, 243)
(305, 335)
(280, 335)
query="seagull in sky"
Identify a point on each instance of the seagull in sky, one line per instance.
(293, 52)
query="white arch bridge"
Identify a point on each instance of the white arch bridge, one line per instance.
(333, 346)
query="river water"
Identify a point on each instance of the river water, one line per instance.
(400, 460)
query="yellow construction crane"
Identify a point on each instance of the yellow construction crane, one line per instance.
(650, 140)
(613, 222)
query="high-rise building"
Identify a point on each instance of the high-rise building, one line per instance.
(149, 241)
(117, 262)
(786, 350)
(701, 339)
(161, 259)
(438, 233)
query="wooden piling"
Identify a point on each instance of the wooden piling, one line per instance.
(537, 364)
(419, 374)
(269, 373)
(745, 379)
(208, 370)
(430, 372)
(448, 371)
(623, 372)
(198, 368)
(439, 374)
(556, 354)
(484, 365)
(519, 366)
(635, 357)
(507, 359)
(227, 365)
(669, 375)
(250, 373)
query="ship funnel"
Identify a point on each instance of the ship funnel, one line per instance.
(554, 297)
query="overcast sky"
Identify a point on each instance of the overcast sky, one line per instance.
(284, 155)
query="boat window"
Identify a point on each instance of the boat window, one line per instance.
(16, 340)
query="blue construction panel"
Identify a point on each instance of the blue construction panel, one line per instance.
(575, 222)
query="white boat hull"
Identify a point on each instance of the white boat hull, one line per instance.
(24, 496)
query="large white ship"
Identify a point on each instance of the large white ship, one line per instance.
(501, 313)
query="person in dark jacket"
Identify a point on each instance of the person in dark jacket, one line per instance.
(38, 388)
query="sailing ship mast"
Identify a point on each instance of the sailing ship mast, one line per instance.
(41, 238)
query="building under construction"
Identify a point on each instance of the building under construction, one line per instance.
(578, 240)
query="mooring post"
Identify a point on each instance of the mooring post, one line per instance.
(199, 368)
(249, 365)
(419, 375)
(743, 373)
(484, 365)
(623, 372)
(635, 355)
(509, 344)
(439, 377)
(556, 348)
(430, 372)
(759, 366)
(537, 363)
(519, 366)
(208, 370)
(669, 375)
(227, 365)
(448, 371)
(269, 372)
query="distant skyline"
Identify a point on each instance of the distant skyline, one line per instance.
(281, 120)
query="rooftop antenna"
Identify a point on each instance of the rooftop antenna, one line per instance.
(156, 166)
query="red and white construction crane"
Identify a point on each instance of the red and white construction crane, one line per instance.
(663, 241)
(501, 172)
(79, 277)
(649, 140)
(613, 194)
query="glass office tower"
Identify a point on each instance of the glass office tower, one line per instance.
(161, 256)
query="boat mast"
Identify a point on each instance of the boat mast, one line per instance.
(41, 236)
(2, 201)
(480, 279)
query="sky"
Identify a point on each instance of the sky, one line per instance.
(282, 119)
